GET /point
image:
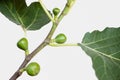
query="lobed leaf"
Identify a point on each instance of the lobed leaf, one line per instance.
(104, 49)
(30, 17)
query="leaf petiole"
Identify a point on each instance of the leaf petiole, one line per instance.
(46, 11)
(61, 45)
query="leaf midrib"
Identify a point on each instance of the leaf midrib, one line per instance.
(103, 54)
(33, 19)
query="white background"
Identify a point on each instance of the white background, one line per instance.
(61, 63)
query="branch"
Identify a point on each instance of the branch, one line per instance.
(30, 56)
(27, 59)
(46, 42)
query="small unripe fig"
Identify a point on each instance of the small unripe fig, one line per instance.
(56, 11)
(23, 44)
(60, 38)
(33, 69)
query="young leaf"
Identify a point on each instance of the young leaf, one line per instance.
(30, 17)
(104, 49)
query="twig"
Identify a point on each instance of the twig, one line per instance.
(46, 42)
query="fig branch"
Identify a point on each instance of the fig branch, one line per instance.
(46, 41)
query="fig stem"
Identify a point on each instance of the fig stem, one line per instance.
(44, 43)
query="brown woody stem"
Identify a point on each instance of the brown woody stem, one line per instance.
(46, 42)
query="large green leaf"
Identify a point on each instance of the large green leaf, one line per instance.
(104, 49)
(30, 17)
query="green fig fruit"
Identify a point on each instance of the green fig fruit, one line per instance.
(33, 69)
(60, 38)
(56, 11)
(23, 44)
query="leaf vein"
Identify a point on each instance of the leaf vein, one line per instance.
(107, 45)
(33, 19)
(103, 54)
(94, 42)
(10, 11)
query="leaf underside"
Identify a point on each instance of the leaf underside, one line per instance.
(104, 49)
(30, 17)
